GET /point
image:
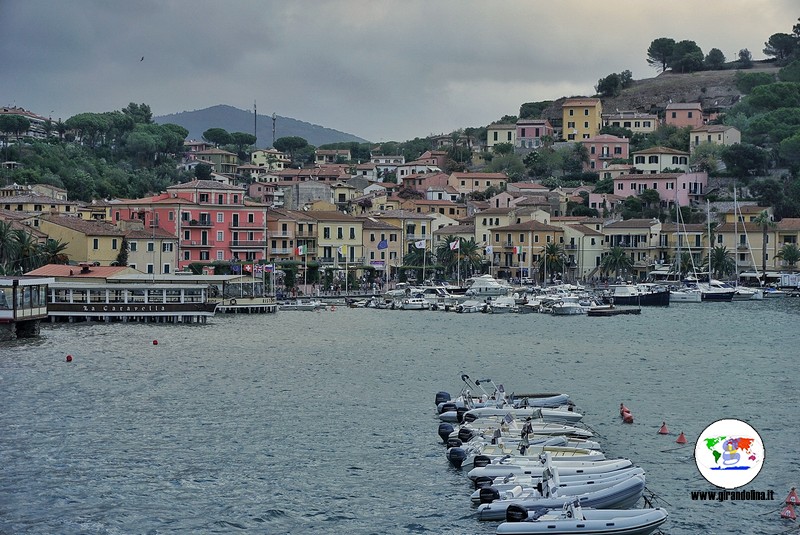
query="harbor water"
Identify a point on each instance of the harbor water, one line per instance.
(323, 422)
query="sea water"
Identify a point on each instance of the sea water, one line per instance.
(323, 422)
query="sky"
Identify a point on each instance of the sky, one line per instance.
(380, 70)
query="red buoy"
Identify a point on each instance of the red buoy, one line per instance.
(623, 409)
(69, 358)
(681, 438)
(155, 342)
(792, 497)
(663, 430)
(788, 512)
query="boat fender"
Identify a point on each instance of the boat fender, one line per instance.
(232, 302)
(442, 397)
(489, 494)
(465, 434)
(481, 461)
(445, 430)
(454, 442)
(483, 481)
(456, 456)
(460, 412)
(516, 513)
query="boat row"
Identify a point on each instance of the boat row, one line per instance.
(537, 474)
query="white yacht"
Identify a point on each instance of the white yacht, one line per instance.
(487, 286)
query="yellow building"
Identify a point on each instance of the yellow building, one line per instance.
(339, 238)
(583, 118)
(39, 204)
(516, 250)
(87, 241)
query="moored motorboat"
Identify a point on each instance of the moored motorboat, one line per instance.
(574, 519)
(638, 295)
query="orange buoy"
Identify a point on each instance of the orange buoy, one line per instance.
(681, 438)
(69, 358)
(792, 497)
(155, 342)
(623, 409)
(627, 418)
(788, 512)
(663, 430)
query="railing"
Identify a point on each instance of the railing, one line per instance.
(508, 244)
(281, 251)
(741, 247)
(248, 243)
(201, 223)
(303, 234)
(197, 243)
(280, 234)
(252, 225)
(570, 247)
(416, 237)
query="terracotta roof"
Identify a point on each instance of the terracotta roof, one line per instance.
(456, 229)
(661, 150)
(152, 234)
(580, 101)
(536, 226)
(371, 223)
(789, 223)
(204, 184)
(404, 214)
(502, 210)
(713, 128)
(63, 270)
(694, 228)
(87, 227)
(632, 223)
(33, 198)
(481, 176)
(331, 215)
(684, 106)
(209, 152)
(587, 231)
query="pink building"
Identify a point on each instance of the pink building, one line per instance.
(210, 219)
(531, 131)
(683, 114)
(686, 188)
(603, 148)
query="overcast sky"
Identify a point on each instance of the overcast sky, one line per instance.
(381, 70)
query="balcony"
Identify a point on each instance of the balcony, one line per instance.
(197, 243)
(278, 251)
(304, 234)
(741, 247)
(248, 243)
(280, 234)
(243, 225)
(570, 247)
(415, 237)
(201, 223)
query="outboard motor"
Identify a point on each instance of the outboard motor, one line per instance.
(447, 407)
(483, 482)
(468, 418)
(489, 494)
(441, 397)
(454, 442)
(481, 461)
(460, 412)
(516, 513)
(445, 430)
(456, 456)
(465, 434)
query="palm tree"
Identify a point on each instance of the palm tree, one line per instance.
(765, 221)
(52, 252)
(8, 245)
(27, 251)
(471, 255)
(617, 261)
(554, 258)
(790, 253)
(447, 257)
(722, 262)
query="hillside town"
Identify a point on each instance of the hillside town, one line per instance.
(339, 215)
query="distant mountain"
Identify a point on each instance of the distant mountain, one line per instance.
(236, 120)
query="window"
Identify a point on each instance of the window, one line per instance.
(617, 150)
(187, 255)
(352, 233)
(251, 218)
(114, 243)
(166, 247)
(220, 255)
(521, 132)
(586, 124)
(204, 255)
(219, 235)
(689, 115)
(674, 115)
(495, 136)
(220, 199)
(220, 217)
(646, 124)
(204, 197)
(235, 199)
(170, 216)
(339, 233)
(185, 216)
(593, 241)
(586, 111)
(571, 124)
(187, 235)
(95, 244)
(132, 246)
(619, 186)
(639, 159)
(571, 112)
(326, 233)
(166, 269)
(653, 159)
(627, 124)
(150, 268)
(150, 247)
(592, 150)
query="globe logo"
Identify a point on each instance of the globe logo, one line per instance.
(729, 453)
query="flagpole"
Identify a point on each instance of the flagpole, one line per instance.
(458, 263)
(424, 259)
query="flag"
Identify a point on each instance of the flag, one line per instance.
(258, 269)
(236, 268)
(301, 250)
(342, 250)
(508, 418)
(269, 268)
(420, 244)
(454, 245)
(248, 268)
(517, 249)
(383, 244)
(489, 249)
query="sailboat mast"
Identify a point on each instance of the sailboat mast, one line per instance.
(708, 223)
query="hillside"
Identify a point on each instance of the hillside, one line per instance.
(714, 89)
(236, 120)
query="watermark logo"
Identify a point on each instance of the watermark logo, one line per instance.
(729, 453)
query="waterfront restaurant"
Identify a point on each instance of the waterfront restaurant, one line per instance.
(23, 304)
